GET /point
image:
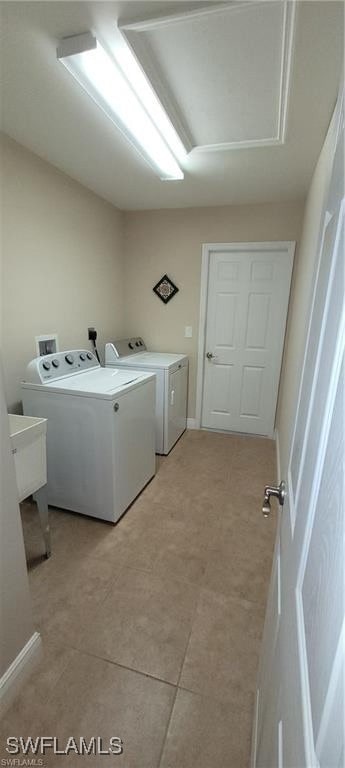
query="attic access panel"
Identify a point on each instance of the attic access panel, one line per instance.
(222, 73)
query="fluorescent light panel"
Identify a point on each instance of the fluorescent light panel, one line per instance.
(107, 84)
(142, 87)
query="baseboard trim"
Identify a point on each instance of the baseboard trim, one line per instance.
(192, 424)
(276, 437)
(255, 731)
(19, 671)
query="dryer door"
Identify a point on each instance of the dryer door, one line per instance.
(177, 407)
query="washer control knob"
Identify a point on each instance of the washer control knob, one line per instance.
(89, 356)
(116, 407)
(69, 359)
(131, 346)
(56, 363)
(137, 343)
(82, 357)
(46, 366)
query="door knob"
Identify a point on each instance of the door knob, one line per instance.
(272, 490)
(209, 355)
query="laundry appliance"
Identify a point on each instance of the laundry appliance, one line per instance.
(101, 431)
(171, 385)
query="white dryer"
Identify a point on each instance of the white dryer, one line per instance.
(171, 385)
(101, 431)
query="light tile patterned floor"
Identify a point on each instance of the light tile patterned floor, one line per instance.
(151, 629)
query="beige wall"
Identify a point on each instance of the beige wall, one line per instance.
(62, 270)
(300, 300)
(170, 241)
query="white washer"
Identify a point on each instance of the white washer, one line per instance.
(101, 431)
(171, 385)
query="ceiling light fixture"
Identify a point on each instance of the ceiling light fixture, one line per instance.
(100, 76)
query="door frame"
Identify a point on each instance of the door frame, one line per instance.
(207, 249)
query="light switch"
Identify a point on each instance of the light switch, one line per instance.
(188, 332)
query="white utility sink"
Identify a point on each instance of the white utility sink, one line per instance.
(28, 443)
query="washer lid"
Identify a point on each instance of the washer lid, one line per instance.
(101, 382)
(146, 359)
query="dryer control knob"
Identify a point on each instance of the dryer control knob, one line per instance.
(55, 363)
(69, 359)
(89, 356)
(46, 366)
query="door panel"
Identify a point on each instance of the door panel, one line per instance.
(308, 679)
(328, 342)
(270, 641)
(258, 317)
(323, 576)
(262, 270)
(248, 291)
(317, 331)
(251, 390)
(226, 312)
(223, 386)
(330, 745)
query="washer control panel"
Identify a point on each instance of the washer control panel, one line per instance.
(60, 364)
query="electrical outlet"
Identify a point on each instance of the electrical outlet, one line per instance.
(92, 334)
(188, 332)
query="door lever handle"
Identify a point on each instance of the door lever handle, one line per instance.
(273, 490)
(209, 355)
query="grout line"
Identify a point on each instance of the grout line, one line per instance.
(122, 666)
(179, 678)
(226, 702)
(117, 564)
(178, 686)
(189, 635)
(167, 729)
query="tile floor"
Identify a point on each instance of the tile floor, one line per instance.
(151, 629)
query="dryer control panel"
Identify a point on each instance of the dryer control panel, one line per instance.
(126, 347)
(59, 365)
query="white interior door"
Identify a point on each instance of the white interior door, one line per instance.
(300, 698)
(247, 302)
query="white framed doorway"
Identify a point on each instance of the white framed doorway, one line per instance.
(245, 290)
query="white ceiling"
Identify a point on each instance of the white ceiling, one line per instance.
(250, 88)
